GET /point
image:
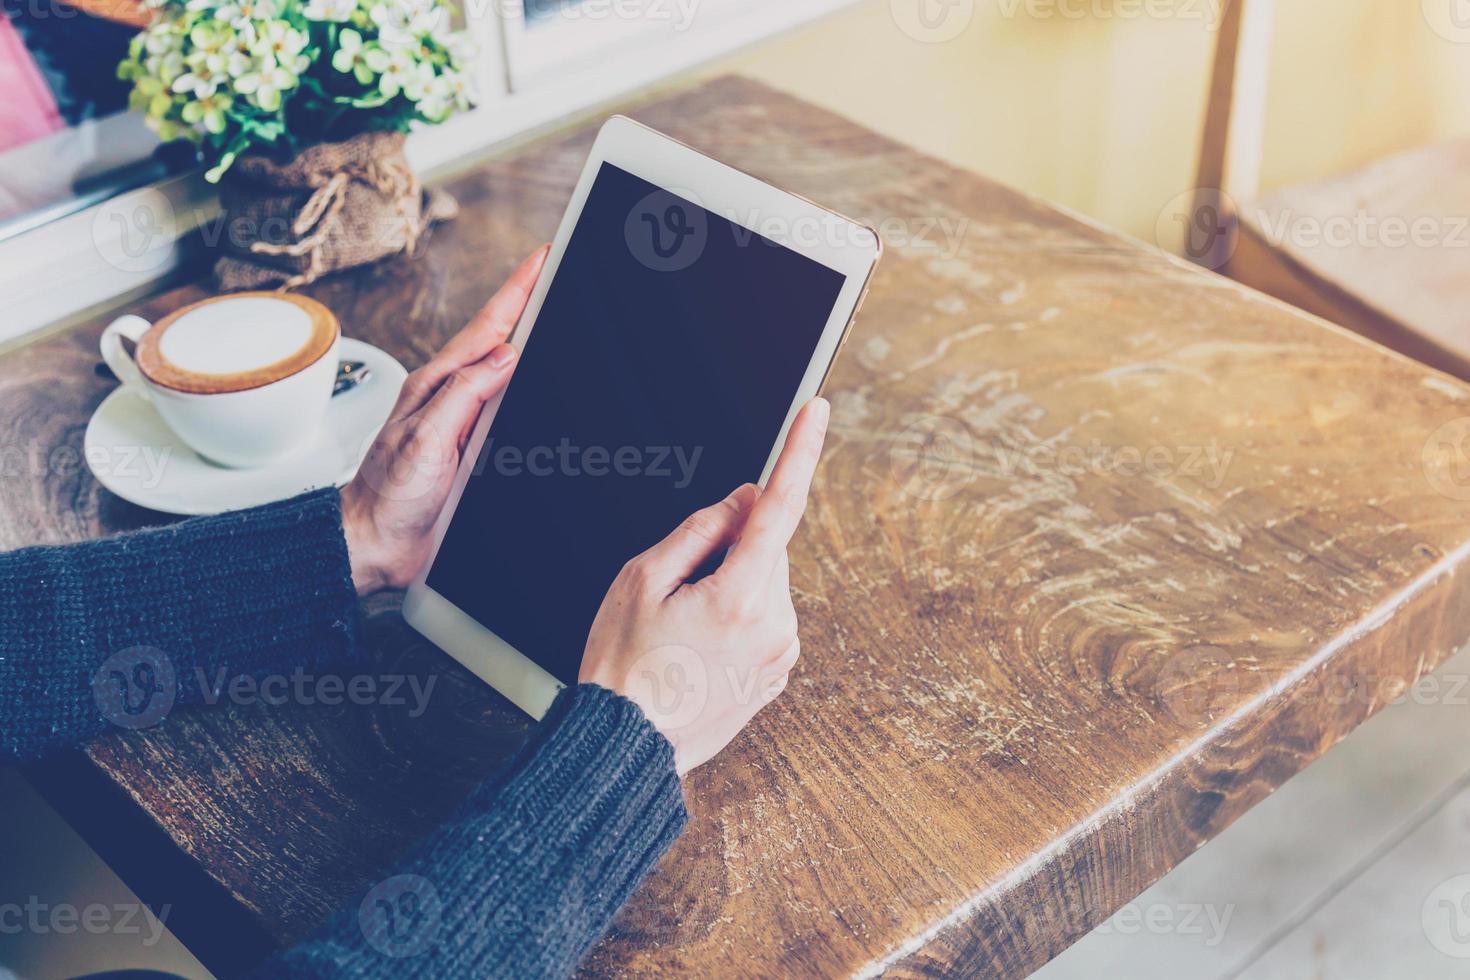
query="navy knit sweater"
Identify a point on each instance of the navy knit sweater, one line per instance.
(519, 883)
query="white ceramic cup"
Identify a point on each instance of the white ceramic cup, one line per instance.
(243, 379)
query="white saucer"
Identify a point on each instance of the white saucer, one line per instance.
(133, 453)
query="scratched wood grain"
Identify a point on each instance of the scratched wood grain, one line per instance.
(1102, 550)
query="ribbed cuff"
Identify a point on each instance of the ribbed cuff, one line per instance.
(269, 590)
(119, 632)
(528, 875)
(587, 808)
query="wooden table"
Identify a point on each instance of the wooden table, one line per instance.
(1103, 549)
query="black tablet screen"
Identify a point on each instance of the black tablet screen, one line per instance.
(662, 364)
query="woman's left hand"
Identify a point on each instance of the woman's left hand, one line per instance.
(389, 508)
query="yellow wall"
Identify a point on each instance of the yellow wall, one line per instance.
(1097, 105)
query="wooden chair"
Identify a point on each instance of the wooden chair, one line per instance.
(1384, 251)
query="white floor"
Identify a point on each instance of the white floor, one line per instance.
(1357, 869)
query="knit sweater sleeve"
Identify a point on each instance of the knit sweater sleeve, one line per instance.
(118, 632)
(528, 874)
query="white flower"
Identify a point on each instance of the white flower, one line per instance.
(283, 44)
(208, 112)
(161, 40)
(240, 63)
(403, 22)
(209, 39)
(444, 94)
(336, 11)
(419, 81)
(437, 101)
(462, 87)
(206, 72)
(264, 87)
(350, 58)
(452, 90)
(240, 13)
(166, 65)
(397, 68)
(242, 49)
(167, 68)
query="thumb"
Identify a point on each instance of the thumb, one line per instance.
(701, 536)
(453, 409)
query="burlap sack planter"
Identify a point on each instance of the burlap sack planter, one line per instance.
(333, 206)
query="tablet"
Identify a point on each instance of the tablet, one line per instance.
(685, 313)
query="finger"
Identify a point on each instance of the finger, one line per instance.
(452, 411)
(775, 516)
(497, 318)
(701, 535)
(487, 329)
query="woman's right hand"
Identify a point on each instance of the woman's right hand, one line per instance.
(701, 658)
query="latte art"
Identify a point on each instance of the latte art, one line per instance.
(236, 342)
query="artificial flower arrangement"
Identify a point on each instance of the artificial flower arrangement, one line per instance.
(254, 74)
(296, 95)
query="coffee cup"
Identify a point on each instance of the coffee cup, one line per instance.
(243, 379)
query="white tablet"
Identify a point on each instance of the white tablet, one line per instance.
(685, 313)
